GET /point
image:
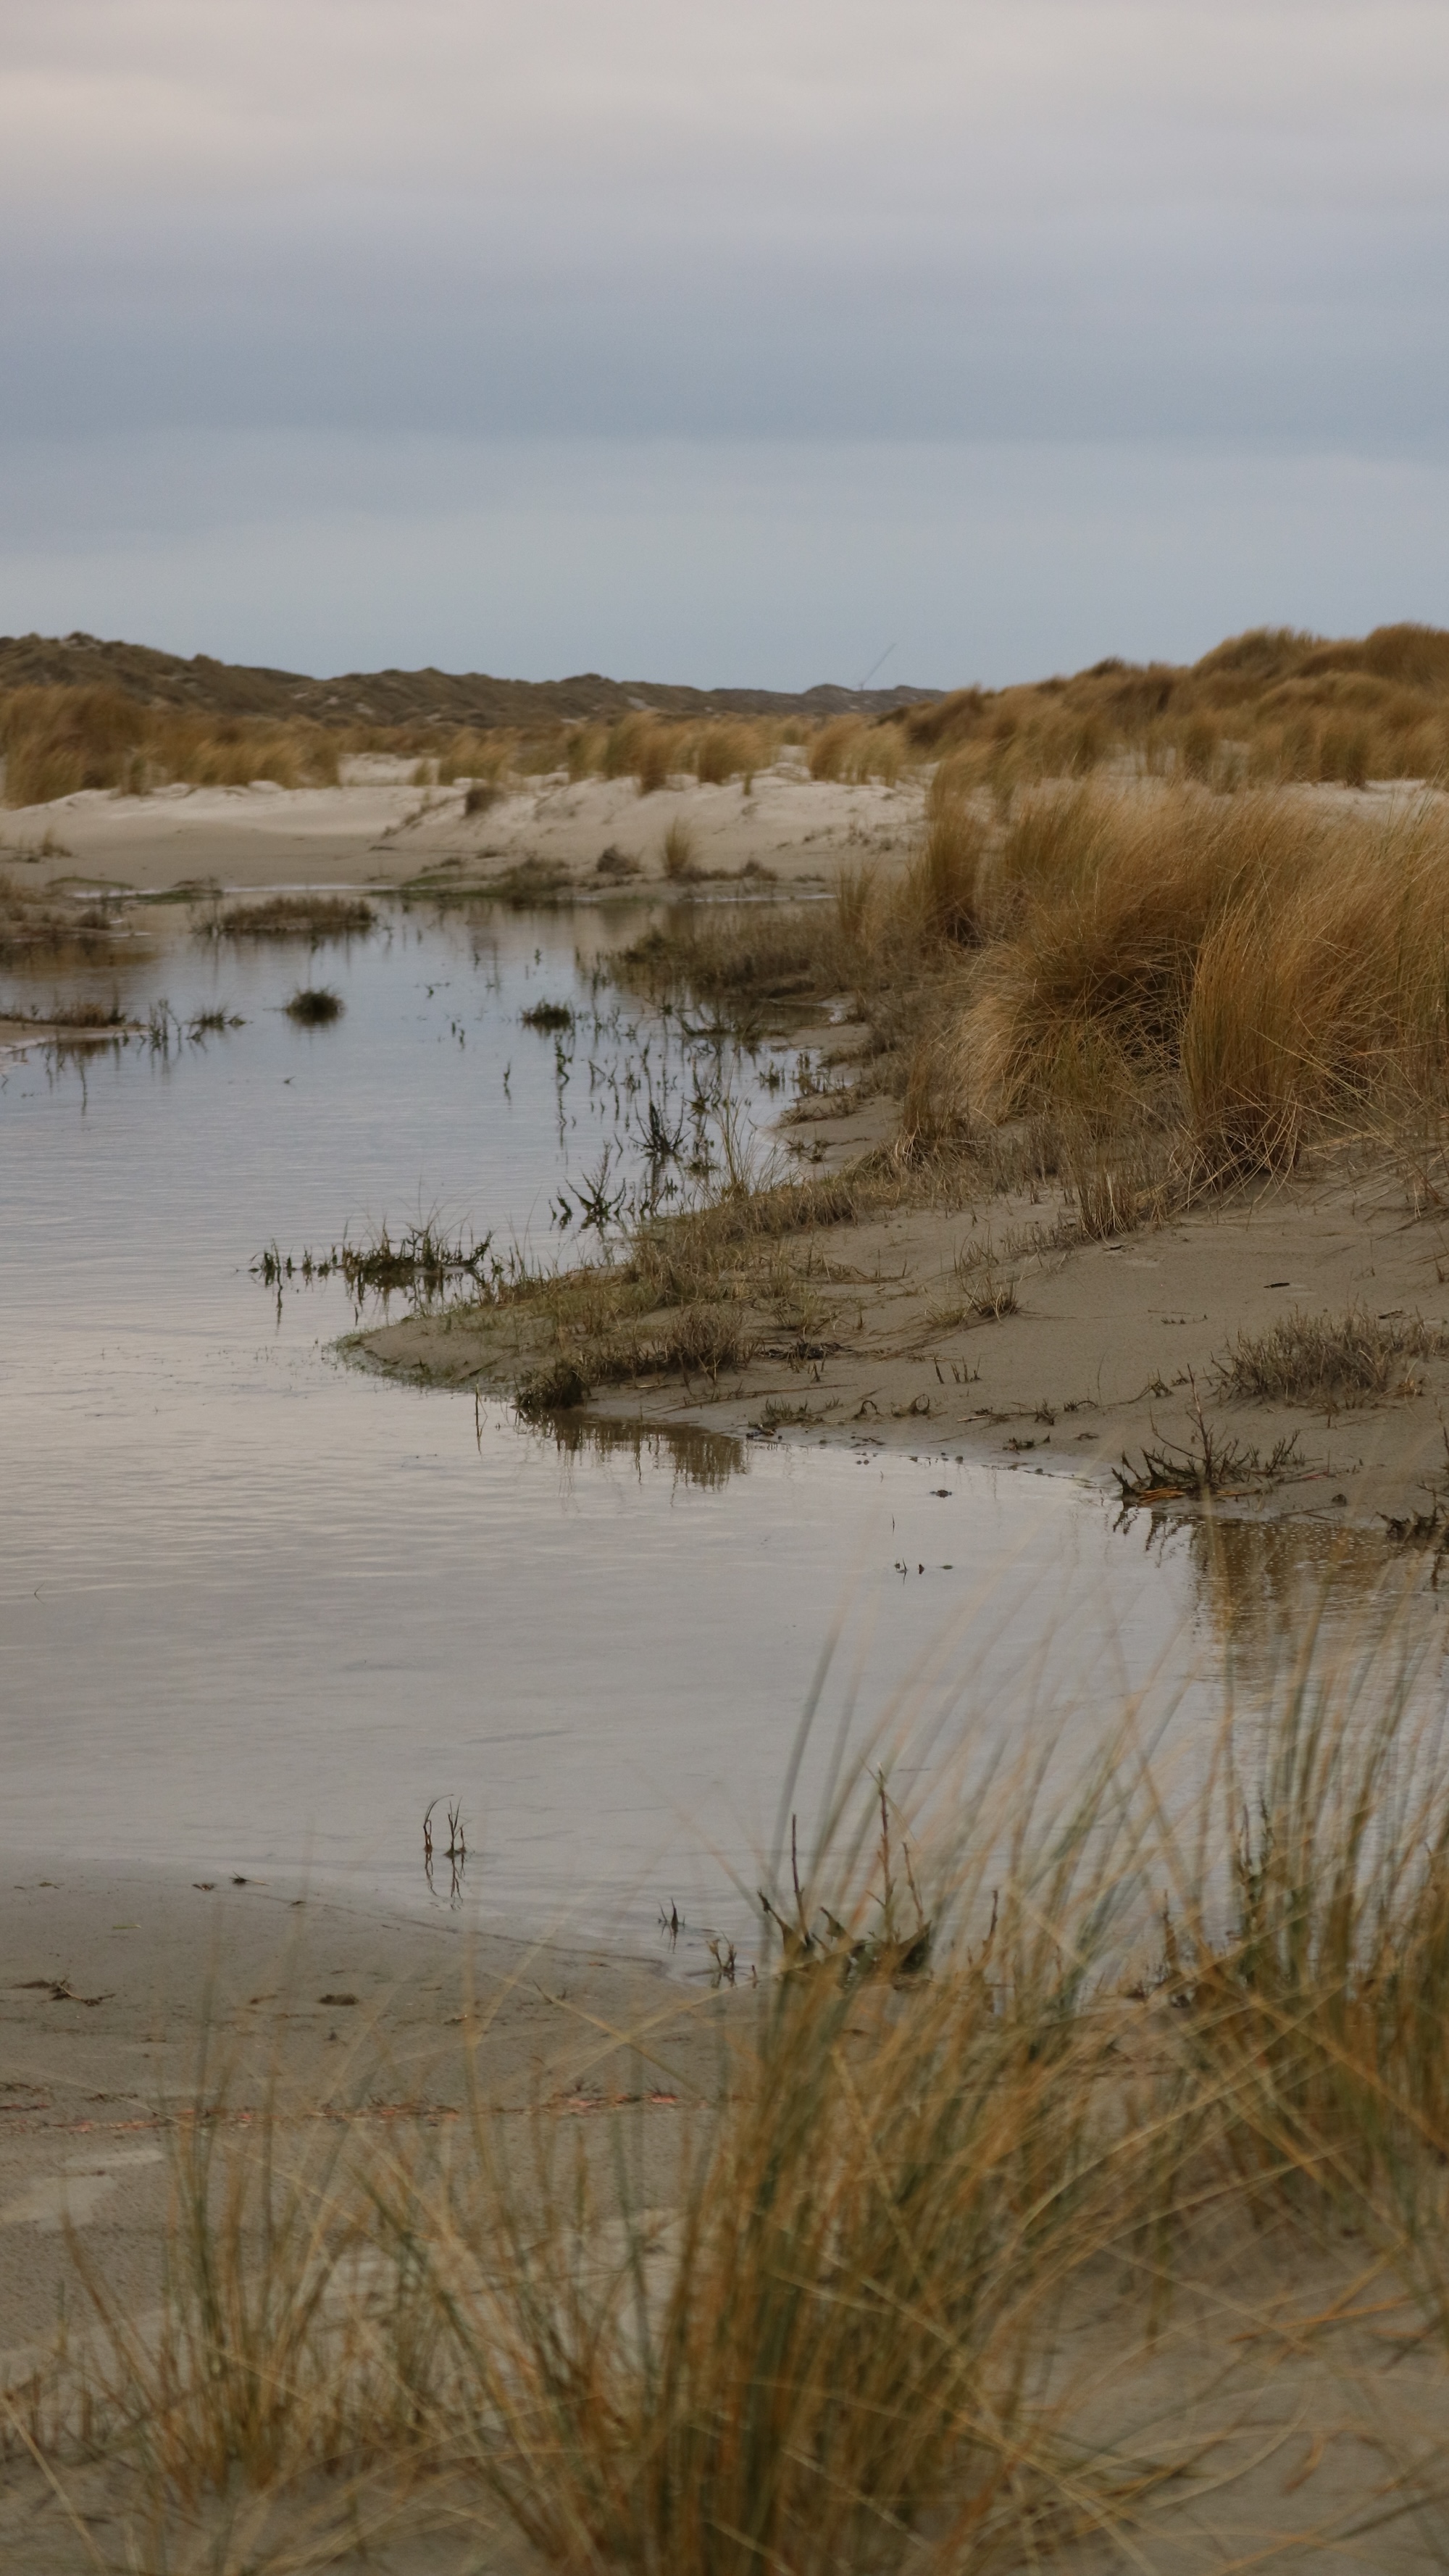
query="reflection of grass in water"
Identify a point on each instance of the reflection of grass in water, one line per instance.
(33, 924)
(827, 2350)
(1261, 1582)
(82, 1015)
(704, 1458)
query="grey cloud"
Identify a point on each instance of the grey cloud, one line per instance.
(970, 218)
(315, 270)
(708, 561)
(1319, 353)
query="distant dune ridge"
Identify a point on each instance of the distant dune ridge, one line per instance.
(207, 687)
(1268, 707)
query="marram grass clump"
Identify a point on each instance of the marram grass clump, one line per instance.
(1172, 989)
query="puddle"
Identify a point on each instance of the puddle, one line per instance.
(260, 1608)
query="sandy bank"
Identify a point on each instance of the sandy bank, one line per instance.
(115, 1984)
(1103, 1348)
(16, 1031)
(378, 829)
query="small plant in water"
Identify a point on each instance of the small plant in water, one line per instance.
(314, 1004)
(294, 916)
(423, 1261)
(456, 1852)
(592, 1198)
(555, 1389)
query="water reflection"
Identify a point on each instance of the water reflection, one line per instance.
(454, 1852)
(1267, 1588)
(706, 1459)
(256, 1608)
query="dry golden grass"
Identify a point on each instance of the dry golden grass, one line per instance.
(1329, 1359)
(480, 759)
(725, 751)
(1160, 987)
(1267, 708)
(943, 884)
(654, 750)
(1004, 2061)
(679, 851)
(1256, 970)
(851, 748)
(59, 741)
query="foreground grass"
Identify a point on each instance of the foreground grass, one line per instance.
(1016, 2059)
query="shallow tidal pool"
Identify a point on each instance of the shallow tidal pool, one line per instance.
(260, 1606)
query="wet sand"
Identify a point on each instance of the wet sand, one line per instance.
(126, 1992)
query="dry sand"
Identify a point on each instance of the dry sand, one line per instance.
(377, 829)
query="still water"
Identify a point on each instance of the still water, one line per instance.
(258, 1606)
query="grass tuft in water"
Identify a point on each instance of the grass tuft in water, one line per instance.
(314, 1005)
(295, 916)
(422, 1261)
(555, 1389)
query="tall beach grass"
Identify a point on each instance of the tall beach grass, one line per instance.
(1019, 2054)
(57, 741)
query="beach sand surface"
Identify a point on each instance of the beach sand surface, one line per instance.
(378, 829)
(1288, 2407)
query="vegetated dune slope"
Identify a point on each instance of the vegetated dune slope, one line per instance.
(205, 686)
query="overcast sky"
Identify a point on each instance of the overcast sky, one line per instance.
(722, 340)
